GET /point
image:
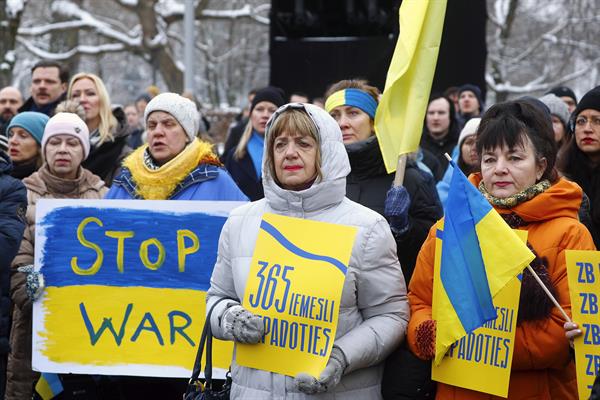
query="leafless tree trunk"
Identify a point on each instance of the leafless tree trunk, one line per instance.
(9, 24)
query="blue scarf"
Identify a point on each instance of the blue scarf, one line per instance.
(255, 148)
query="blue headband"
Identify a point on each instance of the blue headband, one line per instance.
(354, 98)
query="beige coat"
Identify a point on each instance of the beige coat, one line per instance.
(40, 185)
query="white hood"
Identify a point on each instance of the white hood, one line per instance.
(335, 166)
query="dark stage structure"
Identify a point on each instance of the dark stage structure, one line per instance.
(314, 43)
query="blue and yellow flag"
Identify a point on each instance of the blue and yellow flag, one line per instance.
(480, 255)
(48, 386)
(401, 110)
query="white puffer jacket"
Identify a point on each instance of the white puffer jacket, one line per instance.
(374, 310)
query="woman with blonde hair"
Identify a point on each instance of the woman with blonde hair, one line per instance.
(244, 161)
(304, 174)
(108, 136)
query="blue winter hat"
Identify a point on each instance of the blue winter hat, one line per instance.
(33, 122)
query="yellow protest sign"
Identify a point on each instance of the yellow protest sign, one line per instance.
(482, 360)
(583, 270)
(295, 283)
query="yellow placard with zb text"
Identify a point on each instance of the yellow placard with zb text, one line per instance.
(583, 269)
(295, 283)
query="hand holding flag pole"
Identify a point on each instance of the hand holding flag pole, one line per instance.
(537, 278)
(535, 275)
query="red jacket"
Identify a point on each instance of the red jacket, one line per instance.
(542, 367)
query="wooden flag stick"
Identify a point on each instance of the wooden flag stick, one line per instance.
(539, 281)
(400, 168)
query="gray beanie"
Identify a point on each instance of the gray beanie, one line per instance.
(182, 109)
(557, 107)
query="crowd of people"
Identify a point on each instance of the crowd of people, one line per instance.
(536, 160)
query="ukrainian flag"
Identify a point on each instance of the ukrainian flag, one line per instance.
(401, 110)
(48, 386)
(480, 255)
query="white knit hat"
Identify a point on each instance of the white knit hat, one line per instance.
(557, 107)
(469, 129)
(182, 109)
(67, 124)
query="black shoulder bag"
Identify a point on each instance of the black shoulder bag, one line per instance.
(196, 390)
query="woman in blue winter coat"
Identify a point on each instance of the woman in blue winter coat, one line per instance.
(174, 164)
(13, 202)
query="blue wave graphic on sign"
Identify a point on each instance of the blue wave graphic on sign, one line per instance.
(271, 230)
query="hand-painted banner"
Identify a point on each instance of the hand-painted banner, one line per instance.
(295, 283)
(482, 360)
(583, 269)
(126, 283)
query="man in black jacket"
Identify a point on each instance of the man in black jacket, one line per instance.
(13, 204)
(49, 81)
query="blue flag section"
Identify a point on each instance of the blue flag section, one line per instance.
(125, 247)
(480, 255)
(48, 386)
(462, 271)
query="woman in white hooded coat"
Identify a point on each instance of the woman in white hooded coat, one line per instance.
(374, 311)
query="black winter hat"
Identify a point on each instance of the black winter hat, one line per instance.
(590, 100)
(271, 94)
(475, 89)
(563, 91)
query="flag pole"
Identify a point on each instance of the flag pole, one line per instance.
(400, 168)
(537, 278)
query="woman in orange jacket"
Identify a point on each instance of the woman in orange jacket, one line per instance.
(517, 155)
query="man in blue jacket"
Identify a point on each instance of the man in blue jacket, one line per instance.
(13, 204)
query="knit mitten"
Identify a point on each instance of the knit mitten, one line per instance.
(329, 378)
(425, 339)
(397, 203)
(34, 284)
(242, 326)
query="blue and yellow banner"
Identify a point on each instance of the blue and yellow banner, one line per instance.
(583, 269)
(126, 284)
(480, 255)
(295, 283)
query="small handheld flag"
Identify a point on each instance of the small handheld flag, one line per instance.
(480, 255)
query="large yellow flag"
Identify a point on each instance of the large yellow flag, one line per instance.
(400, 114)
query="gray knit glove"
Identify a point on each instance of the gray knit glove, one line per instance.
(34, 284)
(242, 326)
(329, 378)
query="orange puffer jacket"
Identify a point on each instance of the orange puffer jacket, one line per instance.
(542, 367)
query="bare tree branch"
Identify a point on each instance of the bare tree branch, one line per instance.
(81, 49)
(176, 14)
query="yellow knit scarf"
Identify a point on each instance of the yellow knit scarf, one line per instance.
(159, 184)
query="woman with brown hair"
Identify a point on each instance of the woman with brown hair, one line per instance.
(245, 160)
(517, 152)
